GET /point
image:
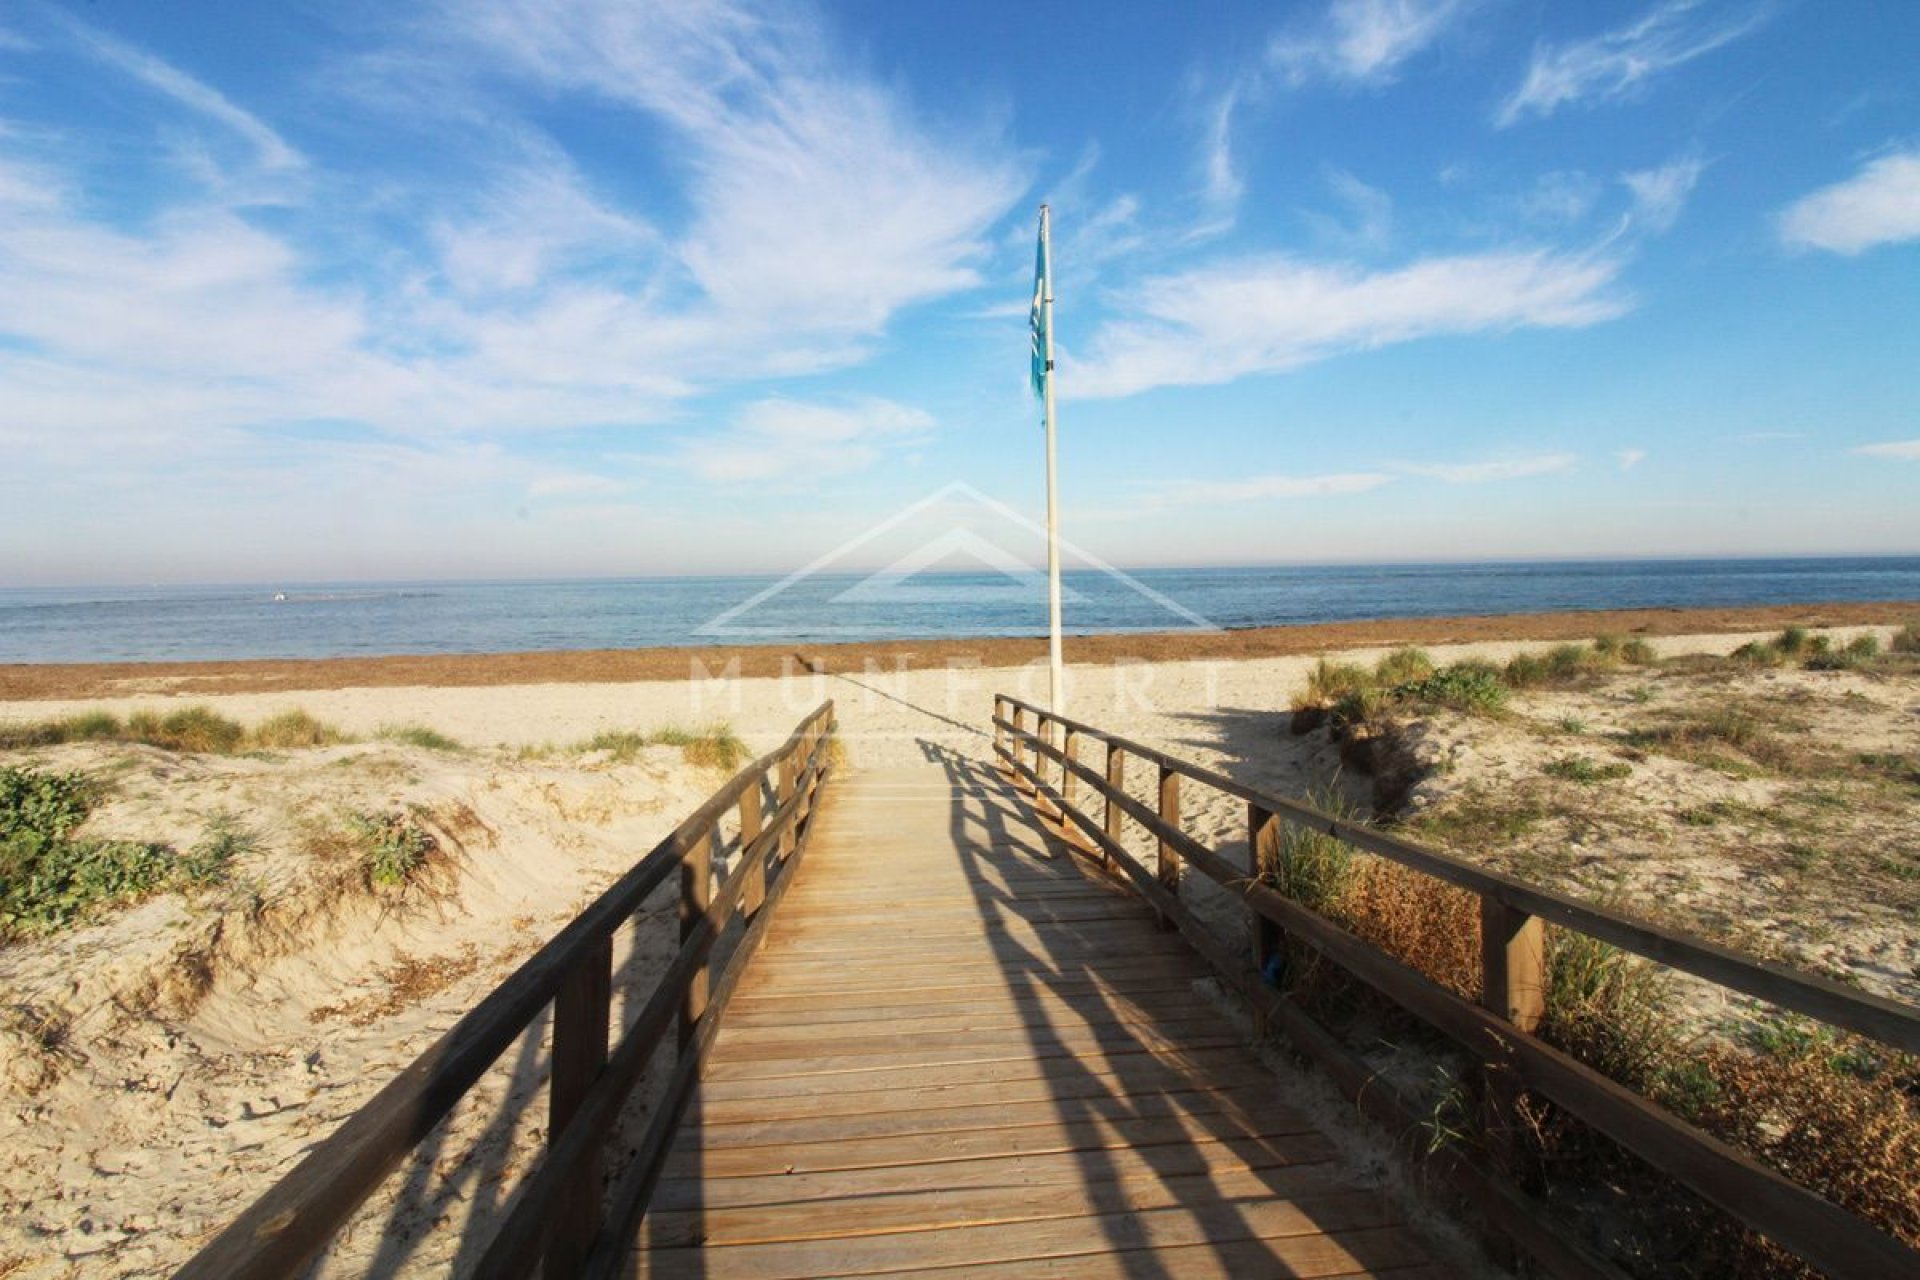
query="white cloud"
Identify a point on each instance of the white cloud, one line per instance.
(14, 42)
(1221, 322)
(1630, 458)
(1903, 450)
(780, 439)
(1613, 64)
(1223, 184)
(1488, 472)
(1659, 195)
(1206, 493)
(1364, 41)
(1368, 225)
(816, 196)
(1879, 205)
(170, 81)
(1561, 196)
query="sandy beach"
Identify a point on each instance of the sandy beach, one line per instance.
(163, 1103)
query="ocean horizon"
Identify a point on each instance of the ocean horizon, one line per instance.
(361, 619)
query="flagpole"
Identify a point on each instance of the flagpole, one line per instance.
(1056, 701)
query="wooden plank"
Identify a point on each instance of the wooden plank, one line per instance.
(1073, 1134)
(1070, 1197)
(1236, 1104)
(1213, 1221)
(1036, 1174)
(1100, 1079)
(936, 1074)
(887, 1005)
(1387, 1252)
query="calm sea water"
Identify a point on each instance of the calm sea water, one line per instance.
(317, 621)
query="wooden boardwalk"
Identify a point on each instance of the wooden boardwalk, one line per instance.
(962, 1048)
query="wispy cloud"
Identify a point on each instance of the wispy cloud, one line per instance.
(1490, 471)
(778, 439)
(1611, 65)
(1659, 195)
(1363, 41)
(1879, 205)
(1198, 493)
(1903, 450)
(1231, 319)
(1630, 458)
(815, 192)
(165, 78)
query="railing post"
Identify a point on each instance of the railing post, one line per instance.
(783, 792)
(1167, 869)
(1069, 784)
(696, 892)
(754, 891)
(999, 730)
(1263, 935)
(1019, 744)
(1113, 819)
(1513, 986)
(580, 1015)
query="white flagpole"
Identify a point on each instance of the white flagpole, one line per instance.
(1056, 701)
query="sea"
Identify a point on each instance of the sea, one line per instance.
(326, 620)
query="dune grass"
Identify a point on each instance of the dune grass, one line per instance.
(419, 735)
(716, 746)
(195, 729)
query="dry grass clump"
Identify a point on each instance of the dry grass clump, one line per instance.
(1730, 739)
(417, 735)
(197, 729)
(294, 729)
(406, 982)
(715, 747)
(1430, 926)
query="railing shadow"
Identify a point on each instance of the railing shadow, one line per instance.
(1145, 1083)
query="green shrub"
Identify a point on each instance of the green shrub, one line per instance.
(1907, 640)
(393, 847)
(715, 747)
(1471, 686)
(48, 878)
(1791, 641)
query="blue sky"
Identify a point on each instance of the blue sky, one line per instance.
(585, 287)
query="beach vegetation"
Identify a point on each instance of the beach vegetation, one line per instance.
(393, 847)
(1907, 639)
(419, 735)
(1585, 771)
(210, 862)
(1476, 688)
(50, 876)
(1830, 1110)
(196, 729)
(716, 746)
(293, 729)
(1403, 666)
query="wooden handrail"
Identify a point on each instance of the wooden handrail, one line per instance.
(297, 1217)
(1497, 1029)
(1889, 1021)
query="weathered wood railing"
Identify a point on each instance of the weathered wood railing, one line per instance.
(563, 1219)
(1042, 751)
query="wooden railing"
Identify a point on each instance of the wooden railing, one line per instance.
(1042, 751)
(563, 1219)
